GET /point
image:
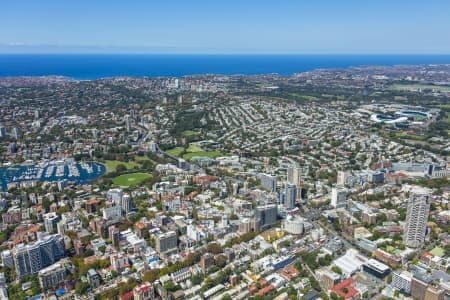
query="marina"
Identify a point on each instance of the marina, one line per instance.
(52, 171)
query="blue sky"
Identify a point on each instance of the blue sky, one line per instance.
(231, 26)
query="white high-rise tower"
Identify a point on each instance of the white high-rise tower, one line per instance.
(416, 219)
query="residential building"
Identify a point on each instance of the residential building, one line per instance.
(268, 181)
(290, 196)
(402, 281)
(338, 197)
(143, 291)
(93, 278)
(51, 222)
(166, 242)
(52, 275)
(416, 219)
(30, 259)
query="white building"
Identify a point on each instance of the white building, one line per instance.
(112, 212)
(338, 197)
(195, 233)
(350, 262)
(342, 177)
(294, 225)
(115, 195)
(402, 281)
(294, 175)
(416, 218)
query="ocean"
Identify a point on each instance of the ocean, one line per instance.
(94, 66)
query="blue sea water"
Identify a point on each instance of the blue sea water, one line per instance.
(94, 66)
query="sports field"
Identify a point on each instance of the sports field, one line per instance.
(131, 179)
(111, 165)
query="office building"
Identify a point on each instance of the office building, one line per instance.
(375, 177)
(268, 182)
(416, 219)
(166, 242)
(266, 214)
(338, 197)
(290, 196)
(376, 268)
(30, 259)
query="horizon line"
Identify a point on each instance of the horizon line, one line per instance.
(222, 53)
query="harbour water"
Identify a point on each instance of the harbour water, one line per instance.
(79, 172)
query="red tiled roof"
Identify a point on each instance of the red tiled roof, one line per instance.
(127, 296)
(346, 284)
(265, 290)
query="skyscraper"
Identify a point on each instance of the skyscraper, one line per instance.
(342, 177)
(126, 203)
(15, 133)
(2, 132)
(268, 181)
(294, 175)
(291, 196)
(416, 219)
(266, 214)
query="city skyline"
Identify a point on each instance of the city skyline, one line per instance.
(232, 27)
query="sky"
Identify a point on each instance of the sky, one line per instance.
(225, 27)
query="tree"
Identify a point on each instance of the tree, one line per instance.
(121, 168)
(151, 275)
(170, 286)
(336, 269)
(214, 248)
(81, 288)
(221, 261)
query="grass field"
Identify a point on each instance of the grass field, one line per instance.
(131, 179)
(410, 136)
(175, 151)
(415, 87)
(141, 158)
(212, 154)
(112, 164)
(189, 133)
(438, 252)
(194, 148)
